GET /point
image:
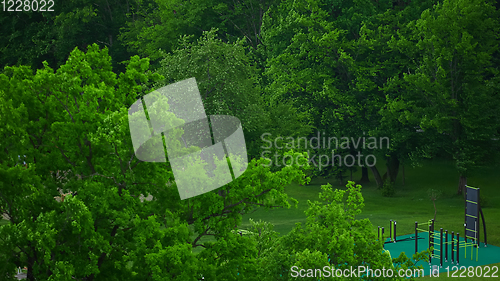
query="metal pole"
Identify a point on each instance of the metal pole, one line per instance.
(432, 236)
(465, 235)
(458, 246)
(477, 233)
(441, 249)
(446, 247)
(452, 246)
(465, 221)
(395, 232)
(478, 229)
(430, 245)
(390, 231)
(416, 237)
(477, 238)
(477, 253)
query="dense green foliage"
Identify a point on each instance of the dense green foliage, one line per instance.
(103, 231)
(423, 74)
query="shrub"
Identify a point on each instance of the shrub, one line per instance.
(388, 189)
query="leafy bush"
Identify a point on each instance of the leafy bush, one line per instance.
(388, 189)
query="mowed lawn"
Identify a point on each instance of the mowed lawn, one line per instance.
(411, 202)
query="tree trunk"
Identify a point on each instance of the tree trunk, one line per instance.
(340, 177)
(403, 166)
(31, 261)
(376, 176)
(462, 182)
(392, 168)
(364, 175)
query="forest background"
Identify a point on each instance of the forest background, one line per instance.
(422, 73)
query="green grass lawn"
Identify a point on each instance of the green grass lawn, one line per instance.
(410, 203)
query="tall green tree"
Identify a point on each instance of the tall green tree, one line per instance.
(454, 88)
(74, 120)
(229, 84)
(379, 64)
(160, 28)
(307, 65)
(334, 73)
(333, 236)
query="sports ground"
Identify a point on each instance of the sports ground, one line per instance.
(467, 257)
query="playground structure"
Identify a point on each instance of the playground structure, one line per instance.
(440, 242)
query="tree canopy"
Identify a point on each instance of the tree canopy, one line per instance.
(423, 74)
